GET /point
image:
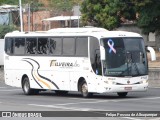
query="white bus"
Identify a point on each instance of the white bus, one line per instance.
(1, 52)
(88, 60)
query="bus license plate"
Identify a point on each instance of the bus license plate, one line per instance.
(128, 88)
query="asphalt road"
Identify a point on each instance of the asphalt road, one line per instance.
(13, 99)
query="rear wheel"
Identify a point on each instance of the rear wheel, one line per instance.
(84, 90)
(26, 87)
(122, 94)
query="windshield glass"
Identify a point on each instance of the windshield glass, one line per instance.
(124, 57)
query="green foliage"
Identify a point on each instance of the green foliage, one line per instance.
(149, 16)
(10, 2)
(106, 13)
(4, 29)
(14, 2)
(109, 13)
(64, 5)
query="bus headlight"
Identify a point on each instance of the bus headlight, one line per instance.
(144, 81)
(110, 82)
(113, 83)
(106, 82)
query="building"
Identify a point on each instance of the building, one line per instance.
(9, 15)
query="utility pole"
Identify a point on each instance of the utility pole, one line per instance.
(20, 13)
(29, 16)
(78, 14)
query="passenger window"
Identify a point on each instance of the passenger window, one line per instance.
(55, 46)
(19, 46)
(43, 46)
(68, 46)
(31, 45)
(82, 46)
(9, 43)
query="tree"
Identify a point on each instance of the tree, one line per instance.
(110, 13)
(10, 2)
(4, 29)
(64, 5)
(149, 15)
(106, 13)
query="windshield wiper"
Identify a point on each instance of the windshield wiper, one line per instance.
(130, 64)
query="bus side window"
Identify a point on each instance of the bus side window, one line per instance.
(19, 46)
(95, 56)
(31, 45)
(9, 43)
(68, 46)
(82, 46)
(55, 46)
(43, 44)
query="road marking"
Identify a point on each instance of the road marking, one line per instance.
(10, 90)
(68, 108)
(155, 119)
(82, 99)
(81, 103)
(2, 87)
(155, 87)
(101, 101)
(79, 109)
(131, 118)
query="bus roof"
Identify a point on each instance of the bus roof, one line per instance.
(89, 31)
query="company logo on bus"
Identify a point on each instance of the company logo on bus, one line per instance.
(64, 64)
(128, 82)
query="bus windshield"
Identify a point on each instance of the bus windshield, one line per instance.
(124, 57)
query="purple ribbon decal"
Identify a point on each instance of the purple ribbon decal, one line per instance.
(111, 45)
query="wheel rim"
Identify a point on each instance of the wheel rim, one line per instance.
(84, 89)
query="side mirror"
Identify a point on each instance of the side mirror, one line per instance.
(102, 53)
(152, 52)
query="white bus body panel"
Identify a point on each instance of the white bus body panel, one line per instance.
(66, 77)
(1, 52)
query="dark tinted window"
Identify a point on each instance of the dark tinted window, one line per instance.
(43, 46)
(114, 52)
(55, 46)
(19, 46)
(133, 44)
(31, 44)
(82, 46)
(9, 45)
(95, 55)
(68, 46)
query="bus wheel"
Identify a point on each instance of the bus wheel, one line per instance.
(84, 90)
(122, 94)
(26, 87)
(61, 92)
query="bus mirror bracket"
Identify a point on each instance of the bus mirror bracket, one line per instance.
(102, 53)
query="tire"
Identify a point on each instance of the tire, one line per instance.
(61, 92)
(26, 87)
(84, 90)
(122, 94)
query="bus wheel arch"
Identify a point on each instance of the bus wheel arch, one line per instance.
(83, 88)
(26, 86)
